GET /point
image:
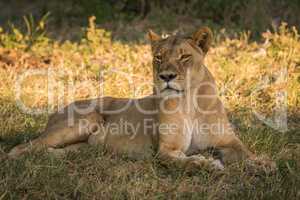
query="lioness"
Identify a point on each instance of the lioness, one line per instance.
(182, 118)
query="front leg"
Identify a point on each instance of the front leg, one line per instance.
(232, 150)
(175, 139)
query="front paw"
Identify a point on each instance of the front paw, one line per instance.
(261, 163)
(206, 163)
(217, 165)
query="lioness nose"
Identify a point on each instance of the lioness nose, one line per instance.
(167, 77)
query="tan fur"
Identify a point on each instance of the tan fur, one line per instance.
(178, 56)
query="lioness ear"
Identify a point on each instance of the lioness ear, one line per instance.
(203, 38)
(153, 36)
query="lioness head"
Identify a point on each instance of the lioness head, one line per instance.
(178, 60)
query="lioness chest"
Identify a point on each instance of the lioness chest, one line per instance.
(196, 134)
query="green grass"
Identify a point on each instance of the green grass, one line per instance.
(240, 67)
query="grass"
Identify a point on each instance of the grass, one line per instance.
(250, 76)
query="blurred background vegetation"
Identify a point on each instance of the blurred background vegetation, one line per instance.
(253, 15)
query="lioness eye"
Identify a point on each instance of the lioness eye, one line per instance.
(185, 57)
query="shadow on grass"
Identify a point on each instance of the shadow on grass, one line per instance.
(16, 126)
(95, 173)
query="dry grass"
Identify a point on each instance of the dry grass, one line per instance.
(250, 76)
